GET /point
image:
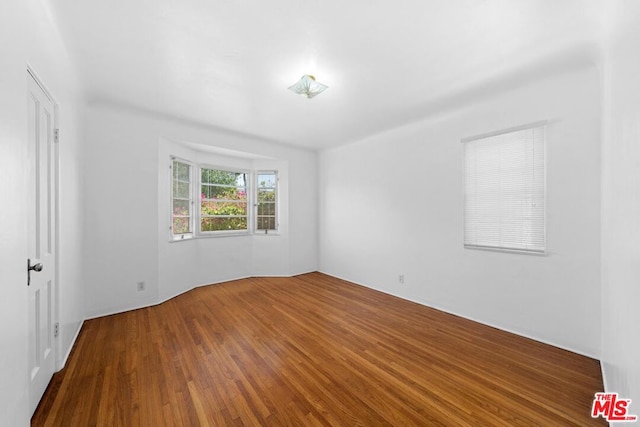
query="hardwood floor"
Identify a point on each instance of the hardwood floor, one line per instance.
(311, 350)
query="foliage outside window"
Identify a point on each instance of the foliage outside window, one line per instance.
(181, 201)
(223, 200)
(266, 215)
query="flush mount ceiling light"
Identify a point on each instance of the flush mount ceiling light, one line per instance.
(307, 86)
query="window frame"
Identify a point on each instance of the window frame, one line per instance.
(177, 237)
(276, 202)
(542, 127)
(248, 188)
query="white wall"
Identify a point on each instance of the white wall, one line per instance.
(126, 203)
(29, 38)
(621, 206)
(392, 204)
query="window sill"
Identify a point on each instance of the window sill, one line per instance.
(506, 250)
(216, 234)
(225, 234)
(181, 238)
(262, 234)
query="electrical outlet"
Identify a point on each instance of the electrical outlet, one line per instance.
(141, 286)
(401, 279)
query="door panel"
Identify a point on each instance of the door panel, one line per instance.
(41, 235)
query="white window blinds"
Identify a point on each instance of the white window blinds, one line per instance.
(504, 190)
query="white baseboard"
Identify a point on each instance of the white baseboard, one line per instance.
(165, 298)
(446, 310)
(65, 358)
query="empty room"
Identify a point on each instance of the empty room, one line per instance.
(294, 213)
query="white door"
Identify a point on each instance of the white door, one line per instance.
(41, 234)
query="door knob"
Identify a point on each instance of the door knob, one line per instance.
(35, 267)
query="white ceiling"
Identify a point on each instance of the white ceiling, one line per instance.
(228, 63)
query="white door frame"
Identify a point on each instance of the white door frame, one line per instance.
(56, 195)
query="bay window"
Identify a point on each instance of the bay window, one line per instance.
(219, 201)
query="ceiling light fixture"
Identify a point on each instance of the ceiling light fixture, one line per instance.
(308, 86)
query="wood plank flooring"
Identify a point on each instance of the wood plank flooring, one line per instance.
(311, 350)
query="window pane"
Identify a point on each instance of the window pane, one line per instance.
(266, 180)
(220, 224)
(181, 225)
(181, 207)
(220, 177)
(267, 209)
(209, 191)
(266, 223)
(208, 208)
(181, 171)
(261, 223)
(181, 190)
(266, 195)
